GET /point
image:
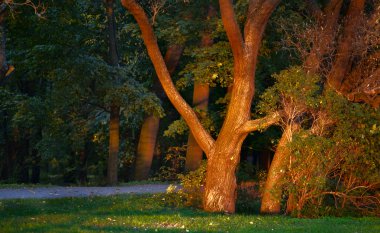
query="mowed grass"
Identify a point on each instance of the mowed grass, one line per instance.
(147, 213)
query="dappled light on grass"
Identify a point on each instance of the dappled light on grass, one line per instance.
(146, 213)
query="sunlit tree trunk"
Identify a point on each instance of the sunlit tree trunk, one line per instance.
(114, 124)
(328, 19)
(201, 92)
(146, 146)
(272, 193)
(150, 127)
(224, 153)
(194, 153)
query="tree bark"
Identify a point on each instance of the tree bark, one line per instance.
(344, 56)
(194, 153)
(146, 146)
(150, 127)
(224, 153)
(114, 136)
(271, 200)
(328, 24)
(113, 145)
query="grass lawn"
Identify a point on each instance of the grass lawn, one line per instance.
(146, 213)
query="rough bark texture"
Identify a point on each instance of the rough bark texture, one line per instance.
(271, 200)
(114, 137)
(224, 153)
(150, 127)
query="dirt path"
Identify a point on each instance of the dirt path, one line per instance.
(60, 192)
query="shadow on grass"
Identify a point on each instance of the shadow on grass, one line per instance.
(145, 213)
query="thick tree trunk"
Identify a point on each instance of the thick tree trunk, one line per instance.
(344, 56)
(271, 200)
(146, 146)
(113, 145)
(224, 153)
(220, 191)
(328, 24)
(194, 153)
(150, 127)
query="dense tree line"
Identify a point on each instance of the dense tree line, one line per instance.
(101, 92)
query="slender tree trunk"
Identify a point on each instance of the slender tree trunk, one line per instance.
(271, 201)
(194, 153)
(150, 127)
(113, 146)
(146, 146)
(114, 137)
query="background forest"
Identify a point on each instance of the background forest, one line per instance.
(80, 102)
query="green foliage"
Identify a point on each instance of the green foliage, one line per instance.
(180, 127)
(339, 168)
(190, 192)
(293, 92)
(211, 65)
(174, 163)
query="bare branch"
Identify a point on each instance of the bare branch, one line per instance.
(39, 8)
(202, 137)
(260, 124)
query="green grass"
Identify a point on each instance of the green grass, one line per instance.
(145, 213)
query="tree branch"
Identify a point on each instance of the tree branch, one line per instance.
(202, 137)
(260, 124)
(346, 45)
(232, 28)
(259, 12)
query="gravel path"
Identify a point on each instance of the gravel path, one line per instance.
(60, 192)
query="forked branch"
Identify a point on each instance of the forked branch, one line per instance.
(232, 28)
(202, 137)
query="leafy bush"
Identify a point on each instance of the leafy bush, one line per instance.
(191, 191)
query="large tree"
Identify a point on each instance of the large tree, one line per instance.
(223, 153)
